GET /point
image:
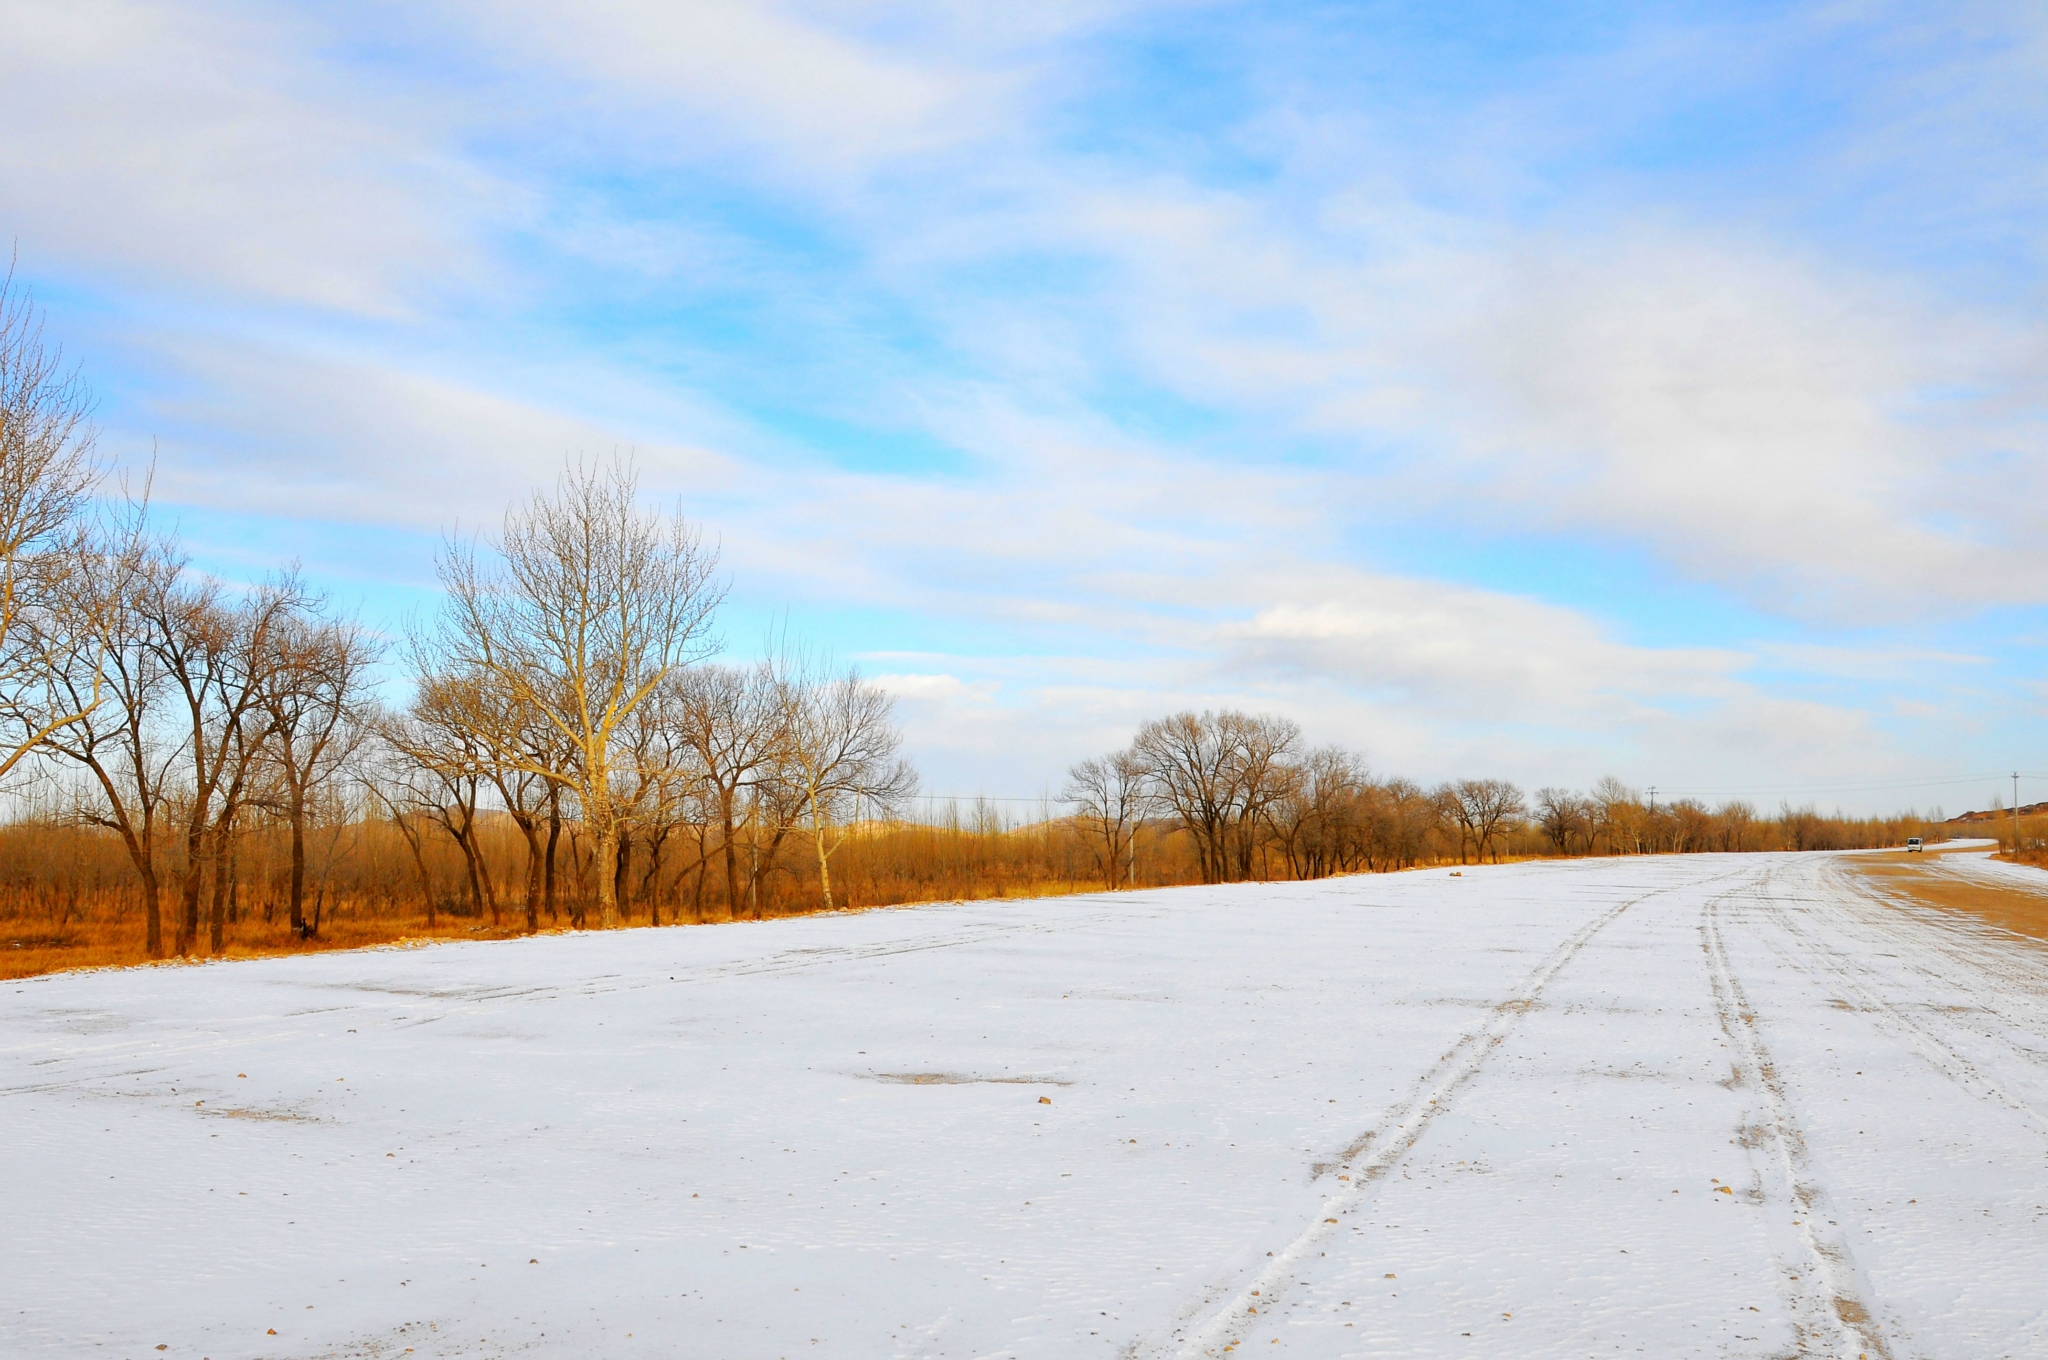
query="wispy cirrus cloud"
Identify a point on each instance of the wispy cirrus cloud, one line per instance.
(211, 151)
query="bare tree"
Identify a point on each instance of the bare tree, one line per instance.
(1692, 826)
(1621, 816)
(1111, 797)
(215, 654)
(1190, 768)
(394, 782)
(1737, 828)
(844, 754)
(1262, 776)
(112, 678)
(533, 802)
(668, 787)
(1319, 815)
(737, 721)
(313, 694)
(241, 770)
(1401, 822)
(1482, 809)
(1221, 774)
(514, 744)
(437, 737)
(55, 599)
(1565, 818)
(590, 604)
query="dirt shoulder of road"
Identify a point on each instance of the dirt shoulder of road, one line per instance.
(1919, 878)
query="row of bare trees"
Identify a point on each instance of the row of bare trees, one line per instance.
(1612, 818)
(567, 682)
(564, 688)
(175, 705)
(1252, 800)
(208, 705)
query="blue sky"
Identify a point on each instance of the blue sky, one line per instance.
(1541, 391)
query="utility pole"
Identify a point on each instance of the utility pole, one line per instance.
(2015, 816)
(1653, 798)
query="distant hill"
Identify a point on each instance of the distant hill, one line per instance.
(1997, 814)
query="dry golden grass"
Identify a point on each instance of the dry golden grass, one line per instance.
(117, 942)
(115, 939)
(2016, 909)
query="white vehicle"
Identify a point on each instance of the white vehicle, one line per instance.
(1912, 842)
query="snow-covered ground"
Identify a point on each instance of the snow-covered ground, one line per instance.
(1674, 1106)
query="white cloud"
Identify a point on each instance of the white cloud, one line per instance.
(1084, 549)
(833, 88)
(1428, 681)
(340, 437)
(757, 72)
(1769, 419)
(1475, 655)
(1802, 434)
(1754, 420)
(1762, 420)
(200, 148)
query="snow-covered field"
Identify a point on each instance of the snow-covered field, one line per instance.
(1675, 1106)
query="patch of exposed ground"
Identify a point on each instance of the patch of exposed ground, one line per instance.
(266, 1116)
(964, 1079)
(1921, 879)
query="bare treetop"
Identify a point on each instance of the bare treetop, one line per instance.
(587, 605)
(47, 474)
(47, 464)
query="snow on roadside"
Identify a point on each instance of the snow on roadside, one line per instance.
(1675, 1106)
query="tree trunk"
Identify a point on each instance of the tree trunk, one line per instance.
(604, 856)
(188, 888)
(485, 884)
(753, 867)
(554, 838)
(476, 891)
(622, 890)
(298, 882)
(650, 882)
(152, 911)
(533, 873)
(216, 933)
(469, 864)
(419, 862)
(579, 882)
(824, 864)
(732, 860)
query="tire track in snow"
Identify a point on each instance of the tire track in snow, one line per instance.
(1817, 957)
(43, 1088)
(803, 960)
(1376, 1152)
(1845, 1312)
(2001, 966)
